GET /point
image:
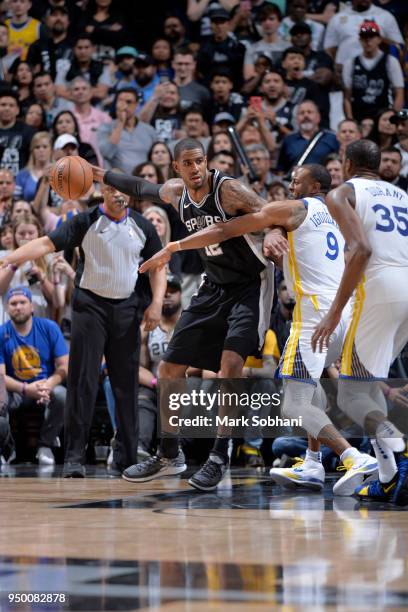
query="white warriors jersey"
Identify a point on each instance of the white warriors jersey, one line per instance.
(315, 262)
(383, 210)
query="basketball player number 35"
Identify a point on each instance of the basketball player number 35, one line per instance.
(387, 222)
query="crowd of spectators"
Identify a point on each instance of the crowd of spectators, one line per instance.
(298, 80)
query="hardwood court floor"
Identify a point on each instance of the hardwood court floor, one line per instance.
(110, 545)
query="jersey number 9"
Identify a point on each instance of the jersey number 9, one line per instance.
(332, 246)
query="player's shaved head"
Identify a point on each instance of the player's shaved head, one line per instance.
(187, 144)
(321, 175)
(364, 155)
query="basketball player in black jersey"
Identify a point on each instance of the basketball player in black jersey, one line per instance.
(222, 325)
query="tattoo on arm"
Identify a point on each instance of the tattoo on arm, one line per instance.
(237, 197)
(171, 191)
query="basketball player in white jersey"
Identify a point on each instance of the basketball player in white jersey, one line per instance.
(314, 267)
(373, 218)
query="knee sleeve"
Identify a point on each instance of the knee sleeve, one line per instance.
(298, 402)
(358, 399)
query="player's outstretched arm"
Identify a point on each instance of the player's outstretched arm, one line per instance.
(288, 214)
(32, 250)
(166, 193)
(341, 204)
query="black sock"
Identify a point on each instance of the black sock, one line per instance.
(169, 447)
(221, 448)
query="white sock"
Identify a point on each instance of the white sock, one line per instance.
(313, 456)
(387, 467)
(349, 453)
(386, 433)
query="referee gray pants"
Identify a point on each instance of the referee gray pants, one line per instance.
(102, 326)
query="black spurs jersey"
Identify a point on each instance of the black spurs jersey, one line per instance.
(234, 261)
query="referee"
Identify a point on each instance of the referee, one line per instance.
(113, 240)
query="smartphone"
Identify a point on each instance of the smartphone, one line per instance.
(256, 103)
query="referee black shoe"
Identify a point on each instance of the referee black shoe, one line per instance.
(73, 470)
(155, 467)
(209, 475)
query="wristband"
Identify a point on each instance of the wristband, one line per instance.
(23, 390)
(387, 391)
(153, 382)
(12, 267)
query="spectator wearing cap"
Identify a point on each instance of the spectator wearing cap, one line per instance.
(272, 44)
(126, 141)
(15, 136)
(297, 11)
(300, 87)
(221, 48)
(44, 53)
(89, 118)
(83, 65)
(319, 65)
(401, 121)
(146, 76)
(34, 362)
(342, 39)
(390, 167)
(369, 77)
(191, 92)
(23, 29)
(309, 133)
(65, 145)
(221, 122)
(45, 93)
(224, 99)
(122, 72)
(163, 112)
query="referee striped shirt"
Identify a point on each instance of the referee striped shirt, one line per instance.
(110, 250)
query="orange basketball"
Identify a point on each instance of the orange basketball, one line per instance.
(71, 177)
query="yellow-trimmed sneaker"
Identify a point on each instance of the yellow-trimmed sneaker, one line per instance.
(356, 469)
(304, 474)
(376, 490)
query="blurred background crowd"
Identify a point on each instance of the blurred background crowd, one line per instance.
(120, 83)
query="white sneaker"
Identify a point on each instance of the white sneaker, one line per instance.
(307, 474)
(356, 469)
(45, 456)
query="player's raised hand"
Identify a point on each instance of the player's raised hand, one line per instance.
(98, 173)
(157, 262)
(323, 331)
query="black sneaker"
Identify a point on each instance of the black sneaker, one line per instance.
(73, 470)
(208, 476)
(155, 467)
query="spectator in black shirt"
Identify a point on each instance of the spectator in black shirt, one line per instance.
(224, 100)
(46, 54)
(318, 64)
(163, 112)
(15, 136)
(221, 48)
(300, 87)
(174, 31)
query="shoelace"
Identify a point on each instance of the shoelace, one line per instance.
(149, 461)
(211, 468)
(299, 462)
(348, 464)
